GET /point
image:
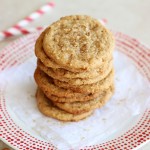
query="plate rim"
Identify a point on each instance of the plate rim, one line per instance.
(127, 43)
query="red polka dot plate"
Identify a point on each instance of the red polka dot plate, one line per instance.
(124, 123)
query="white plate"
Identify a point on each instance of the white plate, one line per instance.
(24, 128)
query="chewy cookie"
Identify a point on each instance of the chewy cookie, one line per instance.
(80, 107)
(39, 52)
(84, 97)
(58, 94)
(75, 81)
(47, 108)
(88, 88)
(78, 42)
(46, 85)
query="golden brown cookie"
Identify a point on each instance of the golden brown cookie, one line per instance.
(88, 88)
(47, 108)
(46, 85)
(48, 62)
(39, 52)
(80, 107)
(76, 81)
(78, 42)
(86, 74)
(85, 97)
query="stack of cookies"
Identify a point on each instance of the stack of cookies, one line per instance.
(74, 71)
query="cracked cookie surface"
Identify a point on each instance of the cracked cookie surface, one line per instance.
(78, 42)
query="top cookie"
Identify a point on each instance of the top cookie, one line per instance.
(78, 42)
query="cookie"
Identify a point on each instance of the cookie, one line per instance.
(47, 108)
(86, 74)
(88, 88)
(84, 97)
(78, 42)
(39, 52)
(76, 81)
(48, 62)
(46, 85)
(80, 107)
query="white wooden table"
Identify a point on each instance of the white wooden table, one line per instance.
(128, 16)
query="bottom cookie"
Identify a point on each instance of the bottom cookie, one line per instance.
(80, 107)
(47, 108)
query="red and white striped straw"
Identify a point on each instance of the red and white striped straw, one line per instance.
(23, 31)
(103, 21)
(17, 28)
